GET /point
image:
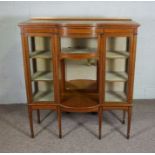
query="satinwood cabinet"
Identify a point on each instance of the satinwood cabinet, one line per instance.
(79, 65)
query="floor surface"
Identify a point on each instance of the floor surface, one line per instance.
(80, 131)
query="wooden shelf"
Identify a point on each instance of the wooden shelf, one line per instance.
(43, 96)
(81, 85)
(78, 53)
(42, 76)
(78, 56)
(111, 96)
(117, 54)
(116, 76)
(41, 54)
(79, 102)
(80, 96)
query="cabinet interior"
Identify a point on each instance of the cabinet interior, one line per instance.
(117, 54)
(40, 54)
(78, 45)
(116, 76)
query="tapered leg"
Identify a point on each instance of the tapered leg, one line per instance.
(30, 111)
(129, 123)
(100, 122)
(59, 122)
(38, 116)
(124, 115)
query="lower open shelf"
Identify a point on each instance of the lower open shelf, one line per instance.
(79, 102)
(76, 99)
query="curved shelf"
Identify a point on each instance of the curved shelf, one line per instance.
(78, 56)
(79, 103)
(81, 96)
(78, 53)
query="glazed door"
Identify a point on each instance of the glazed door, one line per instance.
(118, 70)
(39, 70)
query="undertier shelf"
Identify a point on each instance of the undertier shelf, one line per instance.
(79, 102)
(42, 76)
(117, 54)
(111, 96)
(44, 96)
(116, 76)
(41, 54)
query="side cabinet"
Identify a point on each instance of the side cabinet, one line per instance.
(118, 72)
(40, 66)
(79, 65)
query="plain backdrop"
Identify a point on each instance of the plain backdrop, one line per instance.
(12, 85)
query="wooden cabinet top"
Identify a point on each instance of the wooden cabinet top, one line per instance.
(80, 22)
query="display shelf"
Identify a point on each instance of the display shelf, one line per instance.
(113, 96)
(40, 54)
(78, 53)
(81, 84)
(78, 56)
(116, 76)
(43, 96)
(79, 102)
(42, 76)
(117, 54)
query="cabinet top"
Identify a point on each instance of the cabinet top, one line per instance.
(75, 22)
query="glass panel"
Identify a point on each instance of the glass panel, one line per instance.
(78, 45)
(81, 74)
(41, 68)
(116, 76)
(80, 69)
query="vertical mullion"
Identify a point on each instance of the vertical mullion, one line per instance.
(102, 61)
(55, 56)
(131, 67)
(101, 73)
(27, 67)
(127, 64)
